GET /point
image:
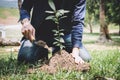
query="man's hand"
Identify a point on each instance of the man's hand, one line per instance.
(27, 29)
(75, 54)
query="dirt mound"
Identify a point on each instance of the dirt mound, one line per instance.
(63, 61)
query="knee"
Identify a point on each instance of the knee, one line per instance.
(24, 55)
(87, 58)
(25, 51)
(84, 54)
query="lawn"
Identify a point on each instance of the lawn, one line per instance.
(105, 63)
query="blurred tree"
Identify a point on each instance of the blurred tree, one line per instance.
(91, 11)
(99, 9)
(109, 12)
(113, 12)
(104, 32)
(88, 22)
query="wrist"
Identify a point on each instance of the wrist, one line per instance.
(75, 48)
(75, 52)
(25, 21)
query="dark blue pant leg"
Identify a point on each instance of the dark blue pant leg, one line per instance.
(68, 44)
(31, 53)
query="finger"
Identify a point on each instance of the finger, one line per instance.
(31, 37)
(23, 31)
(33, 32)
(26, 34)
(29, 34)
(81, 62)
(78, 60)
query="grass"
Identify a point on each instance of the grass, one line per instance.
(6, 12)
(104, 63)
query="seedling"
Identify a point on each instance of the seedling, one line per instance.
(56, 16)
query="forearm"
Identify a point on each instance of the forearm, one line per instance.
(24, 14)
(27, 30)
(25, 21)
(26, 9)
(78, 23)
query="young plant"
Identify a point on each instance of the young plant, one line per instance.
(56, 16)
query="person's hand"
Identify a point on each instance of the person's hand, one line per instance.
(75, 54)
(28, 30)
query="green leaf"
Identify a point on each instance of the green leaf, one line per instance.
(61, 47)
(55, 42)
(58, 44)
(61, 29)
(62, 11)
(52, 5)
(55, 20)
(55, 31)
(55, 34)
(61, 34)
(49, 17)
(50, 12)
(58, 14)
(57, 39)
(62, 17)
(61, 40)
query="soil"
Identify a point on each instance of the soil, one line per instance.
(61, 61)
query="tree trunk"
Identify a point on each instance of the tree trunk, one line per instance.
(104, 32)
(119, 29)
(90, 24)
